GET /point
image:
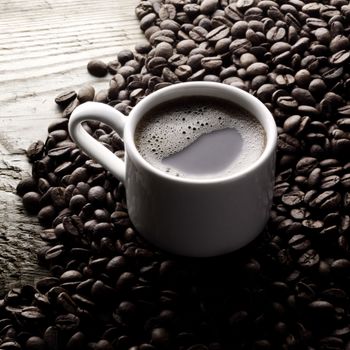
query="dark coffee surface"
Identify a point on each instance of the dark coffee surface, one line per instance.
(201, 137)
(289, 290)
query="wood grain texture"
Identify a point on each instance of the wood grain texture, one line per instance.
(44, 48)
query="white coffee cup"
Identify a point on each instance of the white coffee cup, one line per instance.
(186, 216)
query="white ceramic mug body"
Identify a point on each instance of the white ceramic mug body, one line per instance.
(186, 216)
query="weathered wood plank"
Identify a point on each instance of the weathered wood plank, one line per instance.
(44, 48)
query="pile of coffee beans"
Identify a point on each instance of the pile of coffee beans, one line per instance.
(108, 289)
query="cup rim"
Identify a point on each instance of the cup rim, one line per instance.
(166, 94)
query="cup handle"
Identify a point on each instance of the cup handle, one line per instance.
(105, 114)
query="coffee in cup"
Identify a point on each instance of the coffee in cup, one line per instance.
(200, 137)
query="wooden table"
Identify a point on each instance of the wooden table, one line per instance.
(44, 48)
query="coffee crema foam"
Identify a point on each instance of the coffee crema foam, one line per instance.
(174, 125)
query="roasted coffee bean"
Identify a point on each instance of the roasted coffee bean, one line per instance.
(46, 283)
(292, 124)
(247, 59)
(97, 68)
(163, 50)
(306, 165)
(32, 314)
(142, 47)
(60, 152)
(48, 235)
(167, 11)
(101, 96)
(46, 215)
(339, 57)
(218, 33)
(211, 63)
(299, 243)
(322, 311)
(104, 345)
(198, 34)
(54, 253)
(70, 108)
(113, 66)
(146, 22)
(312, 225)
(345, 181)
(97, 195)
(64, 98)
(276, 34)
(159, 36)
(58, 135)
(287, 102)
(143, 8)
(126, 71)
(73, 225)
(31, 202)
(116, 266)
(77, 341)
(28, 184)
(341, 267)
(293, 198)
(183, 72)
(35, 343)
(284, 80)
(309, 259)
(116, 84)
(52, 338)
(338, 43)
(257, 69)
(156, 65)
(57, 197)
(329, 182)
(10, 345)
(101, 292)
(288, 144)
(344, 123)
(169, 76)
(177, 60)
(160, 336)
(208, 6)
(35, 150)
(185, 46)
(327, 200)
(77, 202)
(299, 213)
(303, 96)
(68, 322)
(341, 146)
(314, 177)
(125, 56)
(240, 46)
(86, 93)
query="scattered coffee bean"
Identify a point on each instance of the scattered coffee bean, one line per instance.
(31, 202)
(86, 93)
(35, 150)
(97, 68)
(70, 108)
(64, 98)
(28, 184)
